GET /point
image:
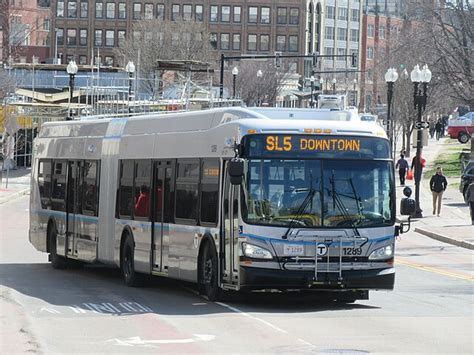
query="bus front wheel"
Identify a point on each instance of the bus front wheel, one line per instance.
(127, 264)
(209, 273)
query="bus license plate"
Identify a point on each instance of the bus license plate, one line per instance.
(293, 249)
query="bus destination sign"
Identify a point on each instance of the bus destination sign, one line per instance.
(315, 146)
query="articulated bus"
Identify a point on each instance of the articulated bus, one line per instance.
(230, 198)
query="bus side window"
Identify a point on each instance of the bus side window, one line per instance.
(58, 196)
(91, 182)
(44, 183)
(142, 189)
(209, 191)
(187, 183)
(125, 197)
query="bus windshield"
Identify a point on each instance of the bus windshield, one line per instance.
(342, 193)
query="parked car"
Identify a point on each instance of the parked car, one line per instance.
(462, 128)
(366, 117)
(467, 177)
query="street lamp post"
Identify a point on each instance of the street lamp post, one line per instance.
(391, 77)
(354, 98)
(321, 85)
(71, 70)
(259, 77)
(334, 85)
(235, 72)
(311, 102)
(418, 77)
(130, 69)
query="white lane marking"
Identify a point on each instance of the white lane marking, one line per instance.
(49, 310)
(132, 341)
(305, 342)
(245, 314)
(77, 309)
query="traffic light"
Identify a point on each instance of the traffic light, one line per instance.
(315, 61)
(277, 60)
(354, 60)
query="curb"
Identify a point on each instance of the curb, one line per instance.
(14, 195)
(443, 238)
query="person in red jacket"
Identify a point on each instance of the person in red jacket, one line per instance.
(142, 206)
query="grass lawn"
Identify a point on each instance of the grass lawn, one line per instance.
(449, 161)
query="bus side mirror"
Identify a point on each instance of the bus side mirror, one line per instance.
(236, 171)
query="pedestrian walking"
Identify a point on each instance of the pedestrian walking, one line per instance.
(438, 184)
(470, 200)
(432, 129)
(439, 129)
(414, 168)
(402, 166)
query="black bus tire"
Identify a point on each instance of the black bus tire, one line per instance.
(127, 267)
(209, 273)
(57, 261)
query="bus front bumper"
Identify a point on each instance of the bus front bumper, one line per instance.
(252, 278)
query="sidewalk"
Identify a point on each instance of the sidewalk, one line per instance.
(18, 184)
(454, 224)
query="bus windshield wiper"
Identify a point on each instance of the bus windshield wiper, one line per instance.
(300, 211)
(337, 201)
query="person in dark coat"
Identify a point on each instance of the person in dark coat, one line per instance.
(438, 184)
(439, 127)
(402, 166)
(470, 200)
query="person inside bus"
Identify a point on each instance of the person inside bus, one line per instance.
(143, 202)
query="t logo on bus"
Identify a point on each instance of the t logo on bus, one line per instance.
(321, 249)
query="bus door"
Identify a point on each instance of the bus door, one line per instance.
(162, 209)
(73, 206)
(229, 242)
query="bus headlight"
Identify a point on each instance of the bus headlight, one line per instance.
(253, 251)
(382, 253)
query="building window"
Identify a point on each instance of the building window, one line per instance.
(109, 38)
(293, 43)
(225, 13)
(265, 15)
(330, 12)
(236, 42)
(110, 12)
(281, 43)
(99, 10)
(370, 52)
(237, 13)
(97, 60)
(382, 32)
(122, 10)
(71, 37)
(84, 9)
(98, 38)
(60, 9)
(46, 24)
(342, 34)
(109, 61)
(160, 12)
(252, 42)
(370, 30)
(355, 15)
(213, 40)
(282, 15)
(60, 36)
(264, 43)
(137, 11)
(82, 59)
(121, 38)
(342, 13)
(341, 52)
(199, 13)
(329, 51)
(294, 16)
(149, 11)
(214, 13)
(354, 35)
(83, 37)
(253, 14)
(187, 12)
(329, 32)
(225, 38)
(71, 9)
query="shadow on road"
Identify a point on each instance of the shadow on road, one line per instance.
(100, 289)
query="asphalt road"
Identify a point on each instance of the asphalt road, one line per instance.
(90, 310)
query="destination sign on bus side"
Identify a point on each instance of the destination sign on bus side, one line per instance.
(312, 146)
(287, 143)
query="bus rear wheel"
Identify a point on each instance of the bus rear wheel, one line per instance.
(57, 261)
(127, 264)
(209, 273)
